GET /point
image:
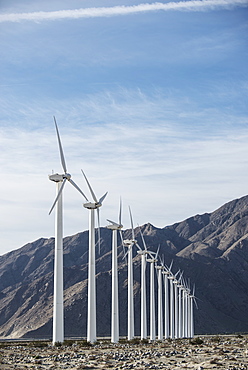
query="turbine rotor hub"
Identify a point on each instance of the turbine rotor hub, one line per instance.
(67, 176)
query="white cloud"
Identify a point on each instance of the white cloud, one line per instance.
(131, 144)
(197, 5)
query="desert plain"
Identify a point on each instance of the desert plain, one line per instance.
(203, 352)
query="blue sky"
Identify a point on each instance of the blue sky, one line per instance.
(151, 102)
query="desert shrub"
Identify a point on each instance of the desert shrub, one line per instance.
(38, 344)
(84, 343)
(134, 341)
(239, 336)
(196, 340)
(144, 341)
(68, 342)
(216, 339)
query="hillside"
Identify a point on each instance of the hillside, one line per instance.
(211, 249)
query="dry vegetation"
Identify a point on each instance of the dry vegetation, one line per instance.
(207, 352)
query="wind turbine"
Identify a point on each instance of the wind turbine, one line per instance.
(58, 306)
(192, 300)
(159, 269)
(152, 261)
(92, 206)
(115, 305)
(143, 315)
(180, 310)
(175, 282)
(165, 273)
(184, 293)
(130, 310)
(172, 304)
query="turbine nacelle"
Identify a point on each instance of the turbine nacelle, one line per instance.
(159, 267)
(142, 252)
(165, 272)
(128, 242)
(92, 205)
(56, 177)
(152, 260)
(114, 226)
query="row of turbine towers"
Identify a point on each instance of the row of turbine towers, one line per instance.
(174, 321)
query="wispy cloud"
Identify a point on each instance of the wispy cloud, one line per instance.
(192, 6)
(129, 144)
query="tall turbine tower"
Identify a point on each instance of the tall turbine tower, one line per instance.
(129, 243)
(159, 269)
(152, 261)
(175, 282)
(58, 306)
(115, 304)
(172, 306)
(92, 206)
(165, 273)
(143, 313)
(192, 300)
(180, 307)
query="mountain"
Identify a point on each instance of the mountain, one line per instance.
(211, 249)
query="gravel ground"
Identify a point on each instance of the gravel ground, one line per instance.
(208, 352)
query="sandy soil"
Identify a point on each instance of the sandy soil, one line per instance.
(215, 352)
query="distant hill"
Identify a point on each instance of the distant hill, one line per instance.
(211, 249)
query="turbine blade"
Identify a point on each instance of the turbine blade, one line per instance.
(143, 240)
(161, 262)
(137, 245)
(77, 187)
(150, 255)
(177, 273)
(157, 252)
(58, 195)
(125, 255)
(103, 197)
(112, 222)
(171, 265)
(98, 231)
(91, 190)
(180, 277)
(131, 219)
(122, 242)
(62, 158)
(120, 212)
(194, 299)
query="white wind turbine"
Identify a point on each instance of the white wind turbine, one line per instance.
(172, 304)
(129, 243)
(92, 206)
(184, 313)
(159, 269)
(180, 307)
(176, 283)
(152, 261)
(58, 306)
(191, 301)
(166, 273)
(115, 304)
(143, 316)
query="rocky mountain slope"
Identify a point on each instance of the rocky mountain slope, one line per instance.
(211, 249)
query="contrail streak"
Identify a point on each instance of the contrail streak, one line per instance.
(192, 6)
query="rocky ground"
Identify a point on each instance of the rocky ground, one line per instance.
(208, 352)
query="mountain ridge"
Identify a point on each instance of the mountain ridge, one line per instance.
(211, 249)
